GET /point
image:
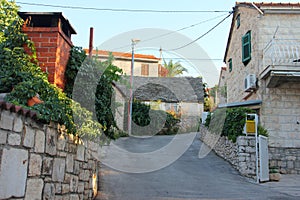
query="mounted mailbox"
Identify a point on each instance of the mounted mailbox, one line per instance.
(251, 123)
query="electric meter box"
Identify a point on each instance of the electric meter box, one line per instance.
(251, 124)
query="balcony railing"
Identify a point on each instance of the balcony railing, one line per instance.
(282, 52)
(281, 62)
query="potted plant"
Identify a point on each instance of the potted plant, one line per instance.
(274, 174)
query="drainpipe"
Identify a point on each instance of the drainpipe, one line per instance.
(91, 42)
(259, 10)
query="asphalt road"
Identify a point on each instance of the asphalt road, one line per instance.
(188, 178)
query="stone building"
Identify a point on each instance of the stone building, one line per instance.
(262, 58)
(181, 95)
(144, 65)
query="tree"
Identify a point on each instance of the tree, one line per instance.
(174, 69)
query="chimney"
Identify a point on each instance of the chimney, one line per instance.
(51, 33)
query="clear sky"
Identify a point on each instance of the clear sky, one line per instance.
(108, 24)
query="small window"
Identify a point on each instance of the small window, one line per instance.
(145, 70)
(230, 64)
(246, 47)
(238, 21)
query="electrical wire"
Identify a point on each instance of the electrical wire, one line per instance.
(172, 32)
(120, 9)
(181, 47)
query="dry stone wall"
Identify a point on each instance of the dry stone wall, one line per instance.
(37, 162)
(240, 154)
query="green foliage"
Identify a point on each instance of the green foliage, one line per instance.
(76, 59)
(140, 116)
(233, 123)
(22, 77)
(174, 69)
(140, 113)
(262, 131)
(93, 89)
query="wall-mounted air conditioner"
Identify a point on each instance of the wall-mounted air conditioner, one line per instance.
(250, 82)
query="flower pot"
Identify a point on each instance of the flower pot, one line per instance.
(274, 176)
(34, 100)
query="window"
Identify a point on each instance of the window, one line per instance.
(238, 21)
(230, 64)
(145, 70)
(246, 47)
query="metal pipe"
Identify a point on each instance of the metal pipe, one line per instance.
(91, 41)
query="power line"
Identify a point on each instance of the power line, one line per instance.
(172, 32)
(202, 34)
(121, 9)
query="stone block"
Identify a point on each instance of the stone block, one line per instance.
(49, 192)
(14, 139)
(65, 188)
(28, 137)
(14, 165)
(76, 167)
(80, 152)
(242, 159)
(34, 189)
(250, 150)
(39, 145)
(242, 149)
(84, 175)
(74, 183)
(61, 143)
(290, 164)
(6, 120)
(35, 165)
(51, 141)
(70, 163)
(3, 137)
(74, 197)
(241, 141)
(80, 187)
(58, 172)
(18, 124)
(58, 188)
(47, 166)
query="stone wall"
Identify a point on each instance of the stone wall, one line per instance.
(287, 160)
(240, 154)
(36, 162)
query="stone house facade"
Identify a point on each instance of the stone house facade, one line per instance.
(262, 58)
(144, 65)
(182, 95)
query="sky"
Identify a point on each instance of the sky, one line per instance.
(113, 31)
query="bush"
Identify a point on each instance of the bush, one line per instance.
(229, 121)
(140, 116)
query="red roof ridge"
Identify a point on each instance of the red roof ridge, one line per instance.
(269, 4)
(17, 109)
(122, 54)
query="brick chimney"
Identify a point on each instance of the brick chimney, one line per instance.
(51, 33)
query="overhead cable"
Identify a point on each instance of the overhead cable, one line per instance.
(120, 9)
(181, 47)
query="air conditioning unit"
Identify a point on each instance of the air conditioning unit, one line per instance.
(250, 82)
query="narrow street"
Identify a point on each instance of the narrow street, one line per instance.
(188, 178)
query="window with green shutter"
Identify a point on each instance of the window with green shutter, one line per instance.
(230, 64)
(246, 47)
(238, 21)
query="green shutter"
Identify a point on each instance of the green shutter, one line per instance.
(238, 21)
(230, 64)
(246, 48)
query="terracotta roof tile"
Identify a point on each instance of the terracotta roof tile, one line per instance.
(122, 54)
(259, 4)
(17, 109)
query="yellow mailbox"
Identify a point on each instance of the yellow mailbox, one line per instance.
(251, 123)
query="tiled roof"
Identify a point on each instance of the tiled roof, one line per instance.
(171, 89)
(122, 54)
(17, 109)
(269, 4)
